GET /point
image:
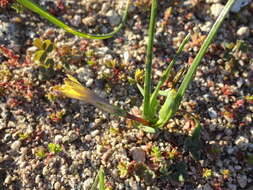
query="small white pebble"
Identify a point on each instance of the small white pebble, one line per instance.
(15, 145)
(37, 179)
(212, 113)
(216, 9)
(8, 179)
(58, 139)
(242, 142)
(243, 31)
(94, 133)
(57, 185)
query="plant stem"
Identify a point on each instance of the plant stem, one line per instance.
(148, 69)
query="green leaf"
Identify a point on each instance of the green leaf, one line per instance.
(148, 68)
(164, 92)
(48, 46)
(148, 129)
(49, 63)
(101, 179)
(153, 109)
(37, 9)
(40, 56)
(168, 109)
(38, 43)
(164, 78)
(140, 89)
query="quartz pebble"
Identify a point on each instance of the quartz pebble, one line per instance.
(15, 145)
(243, 32)
(57, 185)
(242, 142)
(212, 113)
(216, 9)
(87, 183)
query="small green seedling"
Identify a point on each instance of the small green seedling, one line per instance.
(156, 154)
(41, 153)
(123, 169)
(54, 148)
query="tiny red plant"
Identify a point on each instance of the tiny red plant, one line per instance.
(4, 3)
(226, 90)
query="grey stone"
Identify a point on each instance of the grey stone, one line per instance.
(138, 154)
(242, 180)
(239, 4)
(114, 18)
(212, 113)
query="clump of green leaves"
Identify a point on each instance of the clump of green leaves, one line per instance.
(156, 154)
(41, 153)
(123, 169)
(42, 57)
(51, 96)
(207, 173)
(54, 148)
(57, 116)
(17, 7)
(23, 136)
(139, 76)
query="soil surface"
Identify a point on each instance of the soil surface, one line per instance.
(50, 142)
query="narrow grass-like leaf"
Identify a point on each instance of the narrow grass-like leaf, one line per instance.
(149, 56)
(101, 179)
(37, 9)
(95, 183)
(140, 89)
(192, 70)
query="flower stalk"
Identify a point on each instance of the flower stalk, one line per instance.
(73, 89)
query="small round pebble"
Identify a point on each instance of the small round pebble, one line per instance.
(15, 145)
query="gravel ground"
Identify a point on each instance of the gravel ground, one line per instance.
(49, 142)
